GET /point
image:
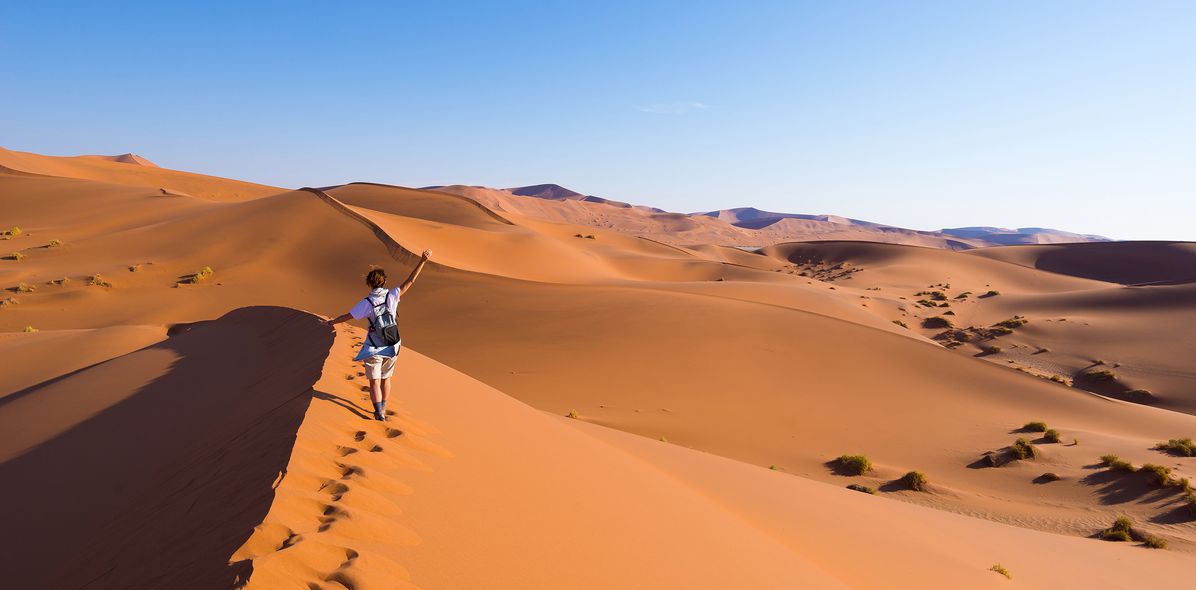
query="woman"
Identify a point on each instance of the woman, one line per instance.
(381, 346)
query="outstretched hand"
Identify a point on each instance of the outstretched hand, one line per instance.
(427, 254)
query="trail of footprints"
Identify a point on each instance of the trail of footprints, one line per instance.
(336, 490)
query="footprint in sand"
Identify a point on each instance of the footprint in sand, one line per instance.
(345, 451)
(376, 449)
(336, 489)
(393, 432)
(291, 540)
(348, 471)
(359, 435)
(332, 513)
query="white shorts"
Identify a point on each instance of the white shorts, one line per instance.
(380, 367)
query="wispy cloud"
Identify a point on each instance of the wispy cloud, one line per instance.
(672, 108)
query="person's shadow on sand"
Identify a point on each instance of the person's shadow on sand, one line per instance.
(344, 403)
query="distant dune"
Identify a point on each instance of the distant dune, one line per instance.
(126, 159)
(742, 226)
(210, 432)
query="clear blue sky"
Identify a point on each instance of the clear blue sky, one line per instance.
(1077, 115)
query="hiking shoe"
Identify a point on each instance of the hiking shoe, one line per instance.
(380, 416)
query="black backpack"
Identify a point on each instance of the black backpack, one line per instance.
(383, 328)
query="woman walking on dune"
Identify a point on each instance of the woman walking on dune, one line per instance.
(381, 346)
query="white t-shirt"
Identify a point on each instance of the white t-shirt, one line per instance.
(364, 309)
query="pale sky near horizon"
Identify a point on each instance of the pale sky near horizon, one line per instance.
(1077, 115)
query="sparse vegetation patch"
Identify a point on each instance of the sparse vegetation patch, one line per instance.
(915, 480)
(1000, 569)
(1021, 449)
(1115, 463)
(1178, 446)
(98, 281)
(1159, 474)
(855, 464)
(862, 488)
(54, 244)
(1052, 436)
(1120, 531)
(17, 256)
(23, 288)
(30, 329)
(993, 293)
(900, 323)
(937, 322)
(1035, 426)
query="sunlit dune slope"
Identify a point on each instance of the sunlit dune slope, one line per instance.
(117, 170)
(538, 501)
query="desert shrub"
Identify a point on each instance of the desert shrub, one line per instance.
(1036, 426)
(938, 296)
(901, 323)
(14, 232)
(963, 295)
(1000, 569)
(992, 459)
(1052, 436)
(1021, 449)
(1101, 375)
(30, 329)
(915, 480)
(59, 282)
(862, 488)
(1159, 474)
(1141, 396)
(203, 274)
(990, 349)
(1050, 476)
(17, 256)
(54, 244)
(773, 467)
(855, 464)
(591, 237)
(1155, 542)
(1178, 446)
(1120, 531)
(24, 288)
(8, 302)
(97, 281)
(992, 293)
(1013, 322)
(937, 322)
(135, 268)
(1116, 463)
(1058, 379)
(999, 331)
(572, 414)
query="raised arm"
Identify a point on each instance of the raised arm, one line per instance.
(338, 319)
(415, 272)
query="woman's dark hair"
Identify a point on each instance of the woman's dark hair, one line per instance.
(376, 278)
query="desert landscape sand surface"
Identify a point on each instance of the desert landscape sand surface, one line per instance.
(593, 395)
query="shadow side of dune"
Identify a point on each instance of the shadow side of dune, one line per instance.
(161, 487)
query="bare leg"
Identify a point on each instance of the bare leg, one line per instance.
(385, 389)
(376, 394)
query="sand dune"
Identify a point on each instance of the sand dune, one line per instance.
(1130, 263)
(151, 468)
(787, 357)
(115, 170)
(126, 159)
(363, 506)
